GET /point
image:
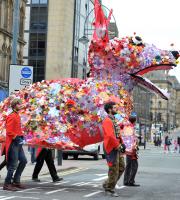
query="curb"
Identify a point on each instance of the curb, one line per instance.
(43, 175)
(47, 174)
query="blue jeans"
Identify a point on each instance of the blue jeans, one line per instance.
(15, 154)
(33, 154)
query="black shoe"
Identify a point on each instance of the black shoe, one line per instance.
(133, 185)
(36, 180)
(57, 180)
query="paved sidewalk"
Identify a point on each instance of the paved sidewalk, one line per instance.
(27, 174)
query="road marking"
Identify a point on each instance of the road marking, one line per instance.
(79, 183)
(101, 178)
(120, 187)
(2, 197)
(54, 191)
(27, 190)
(61, 183)
(41, 183)
(101, 174)
(12, 197)
(73, 171)
(92, 194)
(88, 183)
(28, 197)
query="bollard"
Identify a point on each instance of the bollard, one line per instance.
(59, 157)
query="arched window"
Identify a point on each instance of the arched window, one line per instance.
(159, 104)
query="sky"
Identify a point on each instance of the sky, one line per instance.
(155, 21)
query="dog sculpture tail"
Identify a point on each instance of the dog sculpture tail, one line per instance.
(101, 24)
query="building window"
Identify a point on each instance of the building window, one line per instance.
(151, 116)
(160, 104)
(35, 1)
(43, 1)
(3, 14)
(21, 22)
(159, 117)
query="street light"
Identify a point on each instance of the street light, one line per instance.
(84, 40)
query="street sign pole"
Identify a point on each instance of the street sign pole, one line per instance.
(15, 31)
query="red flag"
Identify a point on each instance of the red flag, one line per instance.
(101, 23)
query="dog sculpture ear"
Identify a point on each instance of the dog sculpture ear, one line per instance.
(137, 41)
(175, 54)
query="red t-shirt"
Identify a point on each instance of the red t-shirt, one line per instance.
(110, 140)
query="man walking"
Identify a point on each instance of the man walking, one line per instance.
(14, 150)
(112, 146)
(45, 155)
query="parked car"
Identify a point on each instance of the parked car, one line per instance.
(92, 150)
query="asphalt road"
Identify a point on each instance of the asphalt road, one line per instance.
(159, 176)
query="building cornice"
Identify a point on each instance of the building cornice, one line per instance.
(162, 81)
(21, 41)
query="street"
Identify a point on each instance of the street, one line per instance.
(157, 175)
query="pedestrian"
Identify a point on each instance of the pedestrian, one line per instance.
(113, 144)
(175, 145)
(167, 143)
(14, 150)
(178, 142)
(45, 154)
(131, 158)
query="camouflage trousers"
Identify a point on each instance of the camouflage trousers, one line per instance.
(114, 173)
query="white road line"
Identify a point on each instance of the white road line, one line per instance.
(28, 197)
(92, 194)
(27, 190)
(41, 183)
(60, 183)
(12, 197)
(79, 183)
(120, 187)
(101, 178)
(101, 174)
(2, 197)
(73, 171)
(54, 191)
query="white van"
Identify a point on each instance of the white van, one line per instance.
(92, 150)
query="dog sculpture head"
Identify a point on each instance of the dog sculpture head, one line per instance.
(125, 59)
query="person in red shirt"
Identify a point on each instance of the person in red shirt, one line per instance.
(131, 159)
(14, 150)
(114, 147)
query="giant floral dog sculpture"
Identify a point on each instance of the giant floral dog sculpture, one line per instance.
(61, 113)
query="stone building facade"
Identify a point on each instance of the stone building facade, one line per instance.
(178, 106)
(165, 112)
(6, 26)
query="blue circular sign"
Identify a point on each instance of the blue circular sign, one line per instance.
(26, 72)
